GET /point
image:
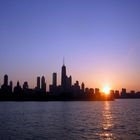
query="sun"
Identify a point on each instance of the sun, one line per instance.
(106, 89)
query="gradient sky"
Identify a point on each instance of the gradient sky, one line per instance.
(100, 40)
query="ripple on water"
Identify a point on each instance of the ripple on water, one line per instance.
(70, 120)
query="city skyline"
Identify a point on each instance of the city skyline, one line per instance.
(100, 41)
(66, 85)
(66, 91)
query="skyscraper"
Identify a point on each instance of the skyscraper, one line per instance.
(17, 89)
(123, 93)
(54, 79)
(11, 86)
(43, 84)
(69, 82)
(6, 80)
(53, 87)
(63, 78)
(25, 85)
(5, 88)
(83, 87)
(38, 82)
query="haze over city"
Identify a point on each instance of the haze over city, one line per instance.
(99, 39)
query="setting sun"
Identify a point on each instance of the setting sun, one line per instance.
(106, 89)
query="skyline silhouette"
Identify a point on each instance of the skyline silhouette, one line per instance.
(67, 90)
(99, 39)
(41, 83)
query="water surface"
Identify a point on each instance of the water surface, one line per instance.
(82, 120)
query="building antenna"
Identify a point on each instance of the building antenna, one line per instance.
(63, 61)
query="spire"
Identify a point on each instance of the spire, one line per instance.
(63, 61)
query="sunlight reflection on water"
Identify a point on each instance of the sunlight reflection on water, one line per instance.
(107, 123)
(116, 120)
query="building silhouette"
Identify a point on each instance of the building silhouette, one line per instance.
(63, 78)
(5, 88)
(6, 80)
(83, 87)
(43, 84)
(65, 91)
(123, 93)
(38, 83)
(54, 88)
(69, 82)
(11, 86)
(25, 86)
(18, 89)
(54, 79)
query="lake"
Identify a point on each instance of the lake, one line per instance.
(75, 120)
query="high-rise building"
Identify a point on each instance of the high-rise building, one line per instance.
(123, 90)
(83, 87)
(116, 94)
(54, 79)
(38, 82)
(18, 84)
(6, 80)
(69, 82)
(5, 88)
(123, 93)
(25, 86)
(11, 86)
(63, 78)
(43, 84)
(18, 89)
(53, 87)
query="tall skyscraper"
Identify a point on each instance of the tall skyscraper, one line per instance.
(83, 87)
(11, 86)
(38, 82)
(63, 78)
(43, 84)
(54, 79)
(6, 80)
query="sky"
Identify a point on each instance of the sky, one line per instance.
(99, 39)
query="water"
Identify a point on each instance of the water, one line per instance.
(83, 120)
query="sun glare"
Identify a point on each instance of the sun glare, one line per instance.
(106, 89)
